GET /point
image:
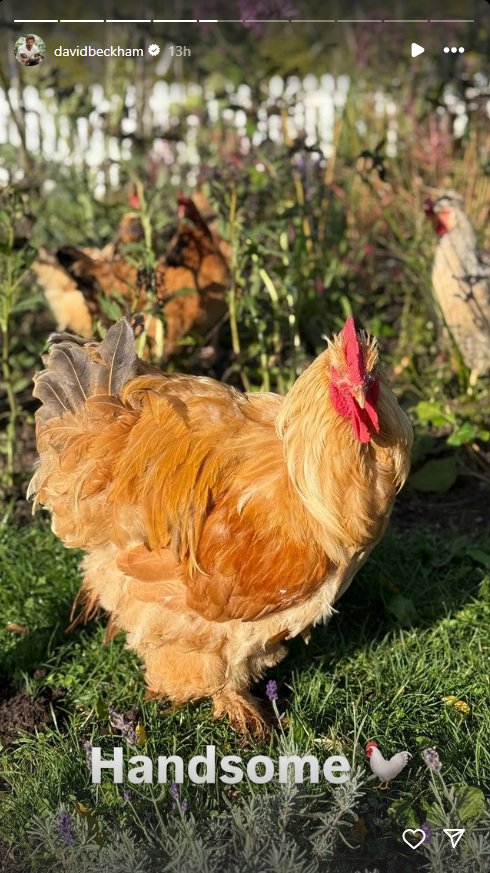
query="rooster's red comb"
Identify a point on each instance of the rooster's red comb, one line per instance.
(353, 352)
(185, 207)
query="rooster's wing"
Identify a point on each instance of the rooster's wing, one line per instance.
(187, 470)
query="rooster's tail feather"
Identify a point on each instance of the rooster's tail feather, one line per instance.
(81, 429)
(77, 369)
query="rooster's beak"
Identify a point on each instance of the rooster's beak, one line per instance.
(359, 394)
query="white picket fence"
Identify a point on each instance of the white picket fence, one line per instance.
(313, 106)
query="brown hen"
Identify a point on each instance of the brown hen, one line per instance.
(188, 285)
(67, 277)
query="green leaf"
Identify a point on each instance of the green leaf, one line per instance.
(433, 813)
(436, 475)
(21, 385)
(464, 434)
(425, 445)
(111, 307)
(178, 293)
(480, 556)
(470, 803)
(403, 813)
(431, 412)
(403, 608)
(102, 710)
(483, 435)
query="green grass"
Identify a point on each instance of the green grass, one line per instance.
(412, 629)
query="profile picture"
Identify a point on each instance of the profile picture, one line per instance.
(30, 50)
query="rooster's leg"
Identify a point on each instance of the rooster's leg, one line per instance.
(242, 709)
(383, 786)
(181, 675)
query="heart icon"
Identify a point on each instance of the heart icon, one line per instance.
(413, 832)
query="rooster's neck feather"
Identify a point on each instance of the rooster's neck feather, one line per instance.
(347, 487)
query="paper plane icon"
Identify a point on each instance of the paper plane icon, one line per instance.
(454, 835)
(417, 49)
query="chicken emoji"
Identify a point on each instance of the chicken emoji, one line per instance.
(385, 770)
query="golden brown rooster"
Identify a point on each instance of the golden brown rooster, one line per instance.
(461, 281)
(217, 524)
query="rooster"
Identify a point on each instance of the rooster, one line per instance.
(217, 525)
(461, 281)
(383, 769)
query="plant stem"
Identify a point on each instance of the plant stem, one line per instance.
(10, 431)
(6, 370)
(232, 294)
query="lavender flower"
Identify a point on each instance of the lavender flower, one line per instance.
(254, 12)
(300, 162)
(64, 823)
(123, 725)
(431, 758)
(126, 795)
(271, 690)
(426, 828)
(175, 795)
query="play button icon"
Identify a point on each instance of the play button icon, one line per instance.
(417, 49)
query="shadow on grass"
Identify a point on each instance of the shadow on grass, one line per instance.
(410, 581)
(40, 579)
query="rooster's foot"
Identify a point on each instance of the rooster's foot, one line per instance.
(243, 712)
(383, 786)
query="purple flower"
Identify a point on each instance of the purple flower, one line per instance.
(431, 758)
(64, 823)
(126, 795)
(175, 795)
(253, 12)
(122, 725)
(426, 828)
(271, 690)
(300, 162)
